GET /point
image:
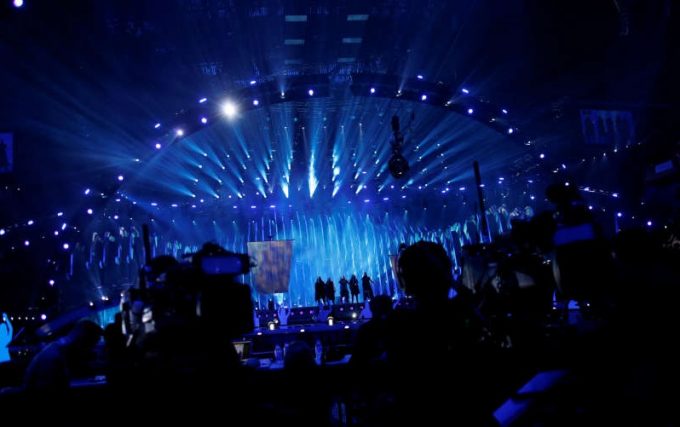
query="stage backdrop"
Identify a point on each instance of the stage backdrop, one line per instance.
(272, 273)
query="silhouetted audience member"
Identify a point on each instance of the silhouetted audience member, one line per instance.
(370, 344)
(434, 345)
(53, 368)
(582, 258)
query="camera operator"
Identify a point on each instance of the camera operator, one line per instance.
(190, 312)
(582, 263)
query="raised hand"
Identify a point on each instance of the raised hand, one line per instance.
(256, 320)
(283, 314)
(366, 312)
(323, 314)
(6, 332)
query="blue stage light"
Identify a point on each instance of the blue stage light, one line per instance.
(204, 120)
(619, 214)
(423, 97)
(311, 92)
(256, 102)
(89, 211)
(63, 226)
(30, 222)
(65, 246)
(18, 3)
(179, 132)
(87, 191)
(420, 76)
(157, 125)
(542, 156)
(202, 100)
(27, 243)
(121, 177)
(158, 146)
(2, 232)
(372, 90)
(60, 213)
(510, 131)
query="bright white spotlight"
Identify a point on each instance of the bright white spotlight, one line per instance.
(2, 232)
(65, 246)
(420, 77)
(157, 125)
(311, 92)
(202, 100)
(60, 213)
(204, 120)
(510, 131)
(18, 3)
(27, 243)
(87, 191)
(179, 132)
(158, 146)
(423, 98)
(89, 211)
(121, 177)
(256, 102)
(30, 222)
(252, 82)
(43, 317)
(465, 91)
(229, 109)
(470, 111)
(372, 90)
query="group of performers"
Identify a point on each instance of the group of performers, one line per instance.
(324, 292)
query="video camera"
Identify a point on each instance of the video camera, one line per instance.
(201, 292)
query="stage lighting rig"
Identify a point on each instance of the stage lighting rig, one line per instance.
(398, 165)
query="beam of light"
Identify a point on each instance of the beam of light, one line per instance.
(311, 179)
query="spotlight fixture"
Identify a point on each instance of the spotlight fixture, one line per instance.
(229, 109)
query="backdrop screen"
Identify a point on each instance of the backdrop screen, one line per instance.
(273, 258)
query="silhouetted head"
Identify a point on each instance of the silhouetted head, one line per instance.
(381, 306)
(299, 356)
(84, 336)
(424, 271)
